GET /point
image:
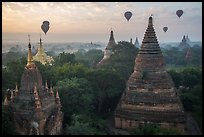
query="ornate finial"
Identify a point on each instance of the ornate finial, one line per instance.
(29, 37)
(57, 94)
(51, 90)
(12, 96)
(150, 21)
(46, 86)
(30, 63)
(6, 103)
(131, 40)
(40, 39)
(16, 90)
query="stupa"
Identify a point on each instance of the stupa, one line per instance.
(150, 95)
(108, 50)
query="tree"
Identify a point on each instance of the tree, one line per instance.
(89, 58)
(76, 96)
(154, 129)
(108, 87)
(7, 127)
(82, 125)
(123, 59)
(64, 58)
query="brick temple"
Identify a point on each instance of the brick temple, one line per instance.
(150, 95)
(34, 107)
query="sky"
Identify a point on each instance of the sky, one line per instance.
(93, 21)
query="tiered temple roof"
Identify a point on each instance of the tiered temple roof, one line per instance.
(33, 106)
(111, 43)
(108, 50)
(150, 95)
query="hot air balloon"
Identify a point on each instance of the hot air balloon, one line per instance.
(45, 26)
(165, 29)
(179, 13)
(128, 15)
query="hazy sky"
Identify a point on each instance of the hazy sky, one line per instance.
(92, 21)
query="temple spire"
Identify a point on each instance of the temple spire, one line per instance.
(111, 36)
(30, 58)
(111, 42)
(131, 41)
(16, 90)
(6, 103)
(150, 21)
(40, 42)
(46, 86)
(51, 90)
(57, 94)
(12, 95)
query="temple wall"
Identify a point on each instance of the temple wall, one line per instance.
(156, 107)
(122, 123)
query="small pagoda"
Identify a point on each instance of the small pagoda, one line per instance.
(108, 50)
(150, 95)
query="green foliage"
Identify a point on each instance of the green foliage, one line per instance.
(191, 93)
(67, 70)
(11, 56)
(176, 57)
(64, 58)
(123, 59)
(82, 125)
(76, 96)
(89, 58)
(187, 77)
(154, 129)
(7, 128)
(12, 74)
(108, 87)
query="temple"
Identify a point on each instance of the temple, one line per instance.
(184, 43)
(35, 109)
(137, 45)
(150, 95)
(41, 56)
(108, 50)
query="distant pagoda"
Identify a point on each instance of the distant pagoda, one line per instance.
(108, 50)
(184, 43)
(150, 95)
(35, 110)
(131, 41)
(41, 56)
(137, 45)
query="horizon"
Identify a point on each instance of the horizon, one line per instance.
(92, 21)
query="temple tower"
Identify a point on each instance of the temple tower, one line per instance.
(184, 43)
(108, 50)
(41, 56)
(137, 45)
(34, 110)
(150, 95)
